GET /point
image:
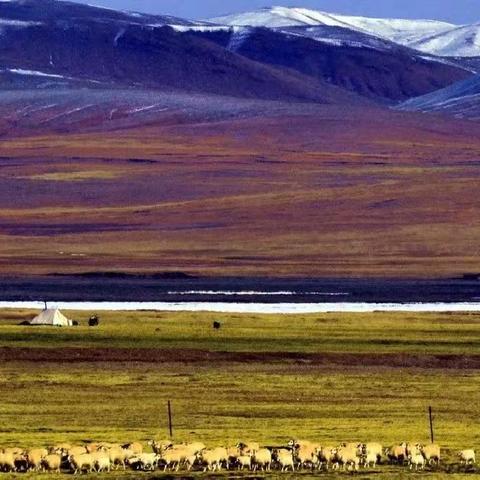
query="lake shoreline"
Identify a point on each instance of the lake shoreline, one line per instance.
(249, 308)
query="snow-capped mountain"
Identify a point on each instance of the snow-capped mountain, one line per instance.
(461, 99)
(396, 30)
(462, 41)
(430, 36)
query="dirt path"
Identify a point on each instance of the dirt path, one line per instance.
(74, 355)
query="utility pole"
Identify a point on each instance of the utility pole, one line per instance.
(170, 428)
(430, 416)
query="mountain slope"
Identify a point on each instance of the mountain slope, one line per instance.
(363, 64)
(59, 39)
(461, 99)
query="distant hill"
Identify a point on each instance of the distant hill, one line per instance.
(461, 99)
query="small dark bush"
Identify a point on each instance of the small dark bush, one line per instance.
(75, 323)
(216, 325)
(93, 321)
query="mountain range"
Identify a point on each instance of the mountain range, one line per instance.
(283, 54)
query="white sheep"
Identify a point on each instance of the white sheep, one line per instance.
(467, 457)
(416, 460)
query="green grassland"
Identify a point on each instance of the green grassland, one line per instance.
(410, 333)
(222, 402)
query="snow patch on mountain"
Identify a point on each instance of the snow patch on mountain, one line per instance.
(20, 71)
(402, 31)
(430, 36)
(7, 22)
(458, 42)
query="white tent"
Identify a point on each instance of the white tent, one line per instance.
(51, 316)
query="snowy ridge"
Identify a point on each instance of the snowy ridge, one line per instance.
(459, 42)
(430, 36)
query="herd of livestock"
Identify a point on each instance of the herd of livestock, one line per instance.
(295, 455)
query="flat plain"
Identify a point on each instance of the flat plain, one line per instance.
(324, 192)
(328, 377)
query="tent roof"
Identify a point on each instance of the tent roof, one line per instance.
(51, 316)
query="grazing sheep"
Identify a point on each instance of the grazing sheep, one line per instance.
(233, 454)
(52, 463)
(119, 456)
(412, 449)
(397, 453)
(21, 462)
(284, 457)
(35, 457)
(7, 462)
(101, 460)
(244, 461)
(431, 453)
(214, 459)
(174, 457)
(467, 457)
(306, 456)
(82, 462)
(262, 459)
(372, 448)
(369, 460)
(325, 456)
(346, 456)
(144, 461)
(416, 460)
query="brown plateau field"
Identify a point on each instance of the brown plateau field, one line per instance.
(330, 192)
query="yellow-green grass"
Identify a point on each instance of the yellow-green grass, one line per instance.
(426, 333)
(226, 401)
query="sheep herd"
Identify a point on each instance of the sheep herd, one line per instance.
(167, 456)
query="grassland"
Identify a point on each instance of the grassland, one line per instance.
(321, 194)
(327, 377)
